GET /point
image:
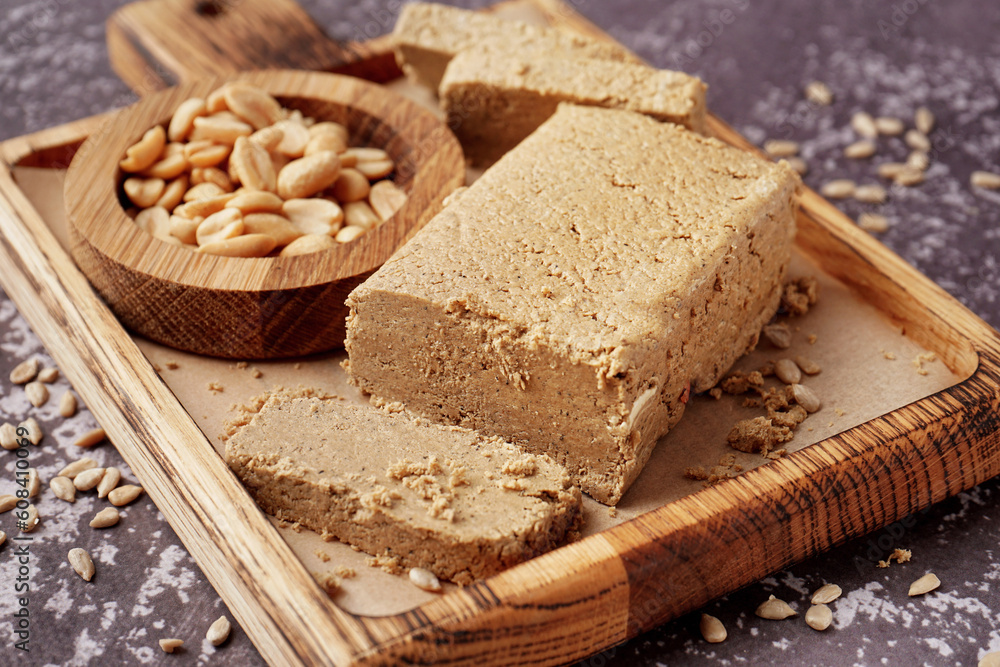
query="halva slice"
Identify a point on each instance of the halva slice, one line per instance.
(573, 297)
(494, 99)
(428, 35)
(442, 498)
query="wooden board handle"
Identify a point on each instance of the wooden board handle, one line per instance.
(154, 44)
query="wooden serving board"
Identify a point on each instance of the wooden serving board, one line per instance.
(658, 560)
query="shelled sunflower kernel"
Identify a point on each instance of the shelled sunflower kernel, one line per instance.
(238, 175)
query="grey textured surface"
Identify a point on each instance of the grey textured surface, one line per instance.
(756, 55)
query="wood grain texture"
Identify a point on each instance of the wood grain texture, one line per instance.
(262, 307)
(590, 594)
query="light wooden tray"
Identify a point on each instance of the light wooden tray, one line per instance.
(653, 563)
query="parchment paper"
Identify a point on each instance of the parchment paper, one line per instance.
(852, 344)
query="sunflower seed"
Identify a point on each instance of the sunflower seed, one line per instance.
(781, 147)
(890, 169)
(819, 93)
(909, 176)
(819, 617)
(91, 438)
(105, 518)
(863, 123)
(923, 118)
(860, 150)
(774, 609)
(88, 479)
(986, 180)
(219, 631)
(8, 437)
(108, 481)
(873, 222)
(918, 160)
(988, 660)
(805, 397)
(24, 372)
(424, 579)
(31, 522)
(34, 482)
(63, 489)
(82, 563)
(171, 644)
(712, 629)
(808, 366)
(870, 194)
(76, 467)
(779, 335)
(841, 188)
(826, 594)
(787, 371)
(889, 126)
(37, 393)
(924, 584)
(3, 537)
(35, 434)
(917, 140)
(67, 404)
(123, 495)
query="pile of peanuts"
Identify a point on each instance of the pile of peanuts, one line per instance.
(236, 174)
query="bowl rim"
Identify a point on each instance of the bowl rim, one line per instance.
(95, 213)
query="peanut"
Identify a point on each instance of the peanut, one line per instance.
(256, 201)
(144, 192)
(360, 214)
(268, 138)
(212, 175)
(184, 229)
(221, 225)
(325, 142)
(313, 216)
(252, 104)
(386, 198)
(329, 127)
(203, 190)
(168, 168)
(295, 137)
(154, 220)
(209, 155)
(351, 186)
(203, 207)
(376, 168)
(144, 153)
(306, 176)
(248, 245)
(182, 121)
(277, 227)
(349, 233)
(308, 243)
(173, 193)
(252, 164)
(220, 129)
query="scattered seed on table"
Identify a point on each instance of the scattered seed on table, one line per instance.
(918, 160)
(923, 118)
(106, 518)
(219, 631)
(890, 170)
(819, 93)
(8, 437)
(863, 123)
(924, 584)
(34, 482)
(870, 194)
(123, 495)
(986, 180)
(37, 393)
(781, 147)
(82, 563)
(808, 366)
(34, 429)
(909, 177)
(76, 467)
(787, 371)
(806, 397)
(712, 629)
(840, 188)
(108, 481)
(860, 150)
(171, 644)
(798, 165)
(827, 593)
(779, 335)
(63, 488)
(67, 404)
(424, 579)
(819, 617)
(48, 375)
(31, 522)
(91, 438)
(88, 479)
(889, 126)
(25, 371)
(873, 222)
(917, 140)
(3, 537)
(7, 503)
(774, 609)
(990, 660)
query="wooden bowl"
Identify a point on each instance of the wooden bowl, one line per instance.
(256, 308)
